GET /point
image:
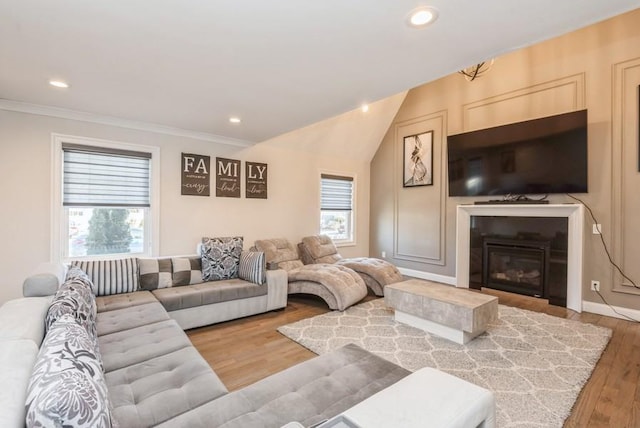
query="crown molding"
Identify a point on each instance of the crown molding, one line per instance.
(63, 113)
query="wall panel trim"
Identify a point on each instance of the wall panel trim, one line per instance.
(439, 164)
(576, 84)
(618, 185)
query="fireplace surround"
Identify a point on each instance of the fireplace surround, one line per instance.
(575, 227)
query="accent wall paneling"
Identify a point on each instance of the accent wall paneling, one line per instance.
(544, 99)
(626, 178)
(419, 231)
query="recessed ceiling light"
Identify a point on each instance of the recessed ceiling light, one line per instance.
(58, 84)
(234, 120)
(421, 17)
(365, 108)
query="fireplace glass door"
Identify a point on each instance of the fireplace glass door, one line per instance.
(516, 266)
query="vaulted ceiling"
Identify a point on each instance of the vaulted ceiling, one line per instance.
(278, 65)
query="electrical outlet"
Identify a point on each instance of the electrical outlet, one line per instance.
(384, 254)
(597, 229)
(595, 285)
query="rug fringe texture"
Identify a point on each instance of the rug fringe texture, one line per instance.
(536, 364)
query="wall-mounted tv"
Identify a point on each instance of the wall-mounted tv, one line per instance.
(535, 157)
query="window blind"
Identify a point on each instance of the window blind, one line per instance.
(102, 177)
(336, 193)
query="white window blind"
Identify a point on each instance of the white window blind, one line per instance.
(336, 193)
(104, 177)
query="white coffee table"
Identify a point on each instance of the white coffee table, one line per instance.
(453, 313)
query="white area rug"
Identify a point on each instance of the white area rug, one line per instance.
(536, 364)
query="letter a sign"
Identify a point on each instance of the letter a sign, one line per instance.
(195, 174)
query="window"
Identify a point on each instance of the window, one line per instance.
(105, 195)
(336, 207)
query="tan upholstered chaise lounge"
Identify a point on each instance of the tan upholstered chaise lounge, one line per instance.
(376, 273)
(337, 285)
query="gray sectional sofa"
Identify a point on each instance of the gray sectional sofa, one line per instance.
(141, 370)
(155, 377)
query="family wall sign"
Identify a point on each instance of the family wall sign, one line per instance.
(196, 177)
(195, 174)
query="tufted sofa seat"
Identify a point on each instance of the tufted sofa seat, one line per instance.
(339, 286)
(152, 371)
(309, 393)
(376, 273)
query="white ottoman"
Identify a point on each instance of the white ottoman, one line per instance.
(427, 397)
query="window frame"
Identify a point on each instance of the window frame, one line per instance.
(352, 241)
(59, 213)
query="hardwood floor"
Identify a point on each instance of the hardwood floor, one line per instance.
(247, 350)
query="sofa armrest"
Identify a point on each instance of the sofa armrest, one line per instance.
(44, 280)
(278, 285)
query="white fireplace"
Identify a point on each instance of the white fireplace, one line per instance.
(575, 216)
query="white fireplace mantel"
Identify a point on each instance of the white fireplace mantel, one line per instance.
(573, 212)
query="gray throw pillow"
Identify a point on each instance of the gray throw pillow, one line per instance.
(154, 273)
(75, 297)
(221, 257)
(186, 270)
(67, 386)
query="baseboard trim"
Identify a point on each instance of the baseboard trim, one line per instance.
(428, 276)
(602, 309)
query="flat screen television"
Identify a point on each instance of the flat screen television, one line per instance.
(535, 157)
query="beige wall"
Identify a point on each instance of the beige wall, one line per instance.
(597, 68)
(291, 210)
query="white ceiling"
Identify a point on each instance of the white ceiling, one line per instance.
(277, 64)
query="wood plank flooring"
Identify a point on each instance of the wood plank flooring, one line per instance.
(246, 350)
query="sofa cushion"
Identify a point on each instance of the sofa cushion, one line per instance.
(24, 319)
(154, 273)
(380, 270)
(321, 249)
(75, 298)
(17, 358)
(160, 388)
(207, 293)
(252, 267)
(129, 347)
(132, 317)
(334, 283)
(279, 251)
(310, 392)
(126, 300)
(111, 276)
(186, 270)
(221, 257)
(67, 387)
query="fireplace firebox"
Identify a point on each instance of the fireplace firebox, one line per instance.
(517, 266)
(524, 255)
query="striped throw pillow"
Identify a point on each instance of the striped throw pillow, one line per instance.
(111, 276)
(252, 267)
